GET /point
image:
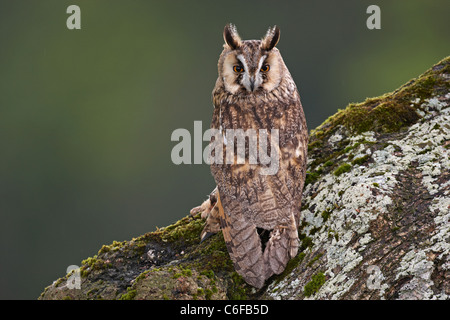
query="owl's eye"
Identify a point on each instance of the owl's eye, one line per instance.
(265, 68)
(238, 69)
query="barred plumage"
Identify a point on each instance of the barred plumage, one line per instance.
(255, 90)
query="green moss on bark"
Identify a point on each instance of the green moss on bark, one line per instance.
(342, 169)
(315, 284)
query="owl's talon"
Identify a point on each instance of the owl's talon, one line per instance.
(207, 206)
(208, 210)
(206, 235)
(195, 210)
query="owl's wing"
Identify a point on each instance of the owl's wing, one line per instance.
(241, 238)
(243, 245)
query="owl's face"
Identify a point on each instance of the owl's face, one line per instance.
(252, 66)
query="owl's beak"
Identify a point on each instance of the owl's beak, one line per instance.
(252, 84)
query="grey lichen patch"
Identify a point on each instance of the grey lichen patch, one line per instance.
(420, 263)
(360, 204)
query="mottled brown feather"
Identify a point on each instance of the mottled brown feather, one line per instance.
(246, 199)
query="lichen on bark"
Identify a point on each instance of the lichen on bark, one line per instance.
(374, 223)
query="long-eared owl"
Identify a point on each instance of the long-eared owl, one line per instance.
(256, 204)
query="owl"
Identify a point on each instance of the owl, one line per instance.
(258, 212)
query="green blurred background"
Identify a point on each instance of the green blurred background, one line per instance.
(86, 115)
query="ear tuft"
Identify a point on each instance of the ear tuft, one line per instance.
(231, 36)
(271, 38)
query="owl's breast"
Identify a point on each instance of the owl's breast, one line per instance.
(250, 115)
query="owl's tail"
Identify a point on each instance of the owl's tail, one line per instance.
(243, 242)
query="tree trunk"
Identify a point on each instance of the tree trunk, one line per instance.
(375, 218)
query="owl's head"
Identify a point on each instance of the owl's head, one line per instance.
(251, 66)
